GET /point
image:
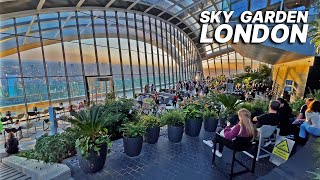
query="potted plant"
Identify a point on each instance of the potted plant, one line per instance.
(153, 128)
(133, 138)
(230, 104)
(93, 142)
(210, 119)
(194, 119)
(175, 121)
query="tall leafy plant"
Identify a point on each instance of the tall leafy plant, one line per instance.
(314, 33)
(228, 101)
(91, 123)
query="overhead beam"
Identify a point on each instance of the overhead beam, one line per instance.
(39, 7)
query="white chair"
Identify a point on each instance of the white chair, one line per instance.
(265, 132)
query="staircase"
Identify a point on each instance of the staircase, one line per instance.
(9, 173)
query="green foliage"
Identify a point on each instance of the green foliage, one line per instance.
(315, 94)
(118, 114)
(246, 105)
(296, 106)
(210, 114)
(91, 123)
(262, 75)
(260, 104)
(314, 33)
(52, 149)
(228, 101)
(173, 118)
(193, 111)
(150, 120)
(132, 129)
(150, 101)
(110, 95)
(257, 107)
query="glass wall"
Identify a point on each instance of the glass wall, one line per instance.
(45, 58)
(229, 64)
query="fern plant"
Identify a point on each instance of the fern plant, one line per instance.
(91, 123)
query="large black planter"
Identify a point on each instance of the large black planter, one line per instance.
(95, 160)
(193, 127)
(210, 124)
(175, 133)
(152, 135)
(132, 146)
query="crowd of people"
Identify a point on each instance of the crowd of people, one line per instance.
(280, 115)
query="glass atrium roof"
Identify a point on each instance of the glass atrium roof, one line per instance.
(182, 14)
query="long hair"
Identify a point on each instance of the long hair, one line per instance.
(245, 122)
(314, 106)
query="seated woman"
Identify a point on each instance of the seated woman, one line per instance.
(12, 144)
(312, 123)
(244, 129)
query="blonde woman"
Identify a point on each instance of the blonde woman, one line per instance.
(244, 129)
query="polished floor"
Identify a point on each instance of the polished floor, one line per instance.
(189, 159)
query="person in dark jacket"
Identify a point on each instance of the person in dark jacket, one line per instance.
(12, 144)
(285, 113)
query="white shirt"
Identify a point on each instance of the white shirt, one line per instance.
(314, 118)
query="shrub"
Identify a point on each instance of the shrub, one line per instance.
(173, 118)
(193, 112)
(52, 149)
(150, 121)
(296, 106)
(132, 129)
(210, 114)
(119, 112)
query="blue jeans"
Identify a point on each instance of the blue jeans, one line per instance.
(306, 127)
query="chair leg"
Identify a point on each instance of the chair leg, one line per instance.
(232, 163)
(214, 153)
(254, 158)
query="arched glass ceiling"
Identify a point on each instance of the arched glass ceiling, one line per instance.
(180, 13)
(27, 27)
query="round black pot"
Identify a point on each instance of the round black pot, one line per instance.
(193, 127)
(175, 133)
(152, 135)
(132, 146)
(210, 124)
(95, 160)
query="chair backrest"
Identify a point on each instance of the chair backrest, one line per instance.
(266, 131)
(242, 143)
(20, 116)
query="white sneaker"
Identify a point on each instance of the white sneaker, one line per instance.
(219, 154)
(208, 143)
